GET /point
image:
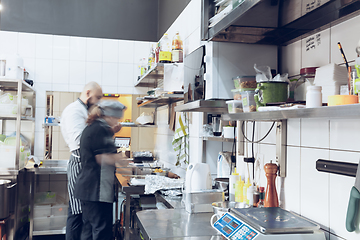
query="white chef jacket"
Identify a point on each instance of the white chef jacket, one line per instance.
(73, 122)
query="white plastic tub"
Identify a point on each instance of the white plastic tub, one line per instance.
(50, 223)
(59, 210)
(10, 110)
(8, 155)
(235, 106)
(42, 211)
(57, 222)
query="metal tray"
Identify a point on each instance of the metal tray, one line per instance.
(274, 220)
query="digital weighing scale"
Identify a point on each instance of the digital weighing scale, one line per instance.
(266, 223)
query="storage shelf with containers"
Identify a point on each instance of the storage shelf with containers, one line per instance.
(17, 124)
(50, 214)
(17, 103)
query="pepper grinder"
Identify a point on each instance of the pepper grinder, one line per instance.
(271, 198)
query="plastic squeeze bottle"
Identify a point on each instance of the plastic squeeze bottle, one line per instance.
(239, 192)
(234, 178)
(246, 186)
(250, 195)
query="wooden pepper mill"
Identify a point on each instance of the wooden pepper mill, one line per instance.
(271, 197)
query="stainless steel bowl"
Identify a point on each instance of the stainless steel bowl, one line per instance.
(221, 208)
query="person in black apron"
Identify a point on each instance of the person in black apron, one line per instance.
(73, 122)
(95, 184)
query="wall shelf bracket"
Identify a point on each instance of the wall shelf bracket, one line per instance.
(281, 142)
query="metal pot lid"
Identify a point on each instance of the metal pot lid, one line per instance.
(3, 182)
(275, 220)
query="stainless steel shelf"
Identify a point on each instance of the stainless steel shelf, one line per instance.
(49, 232)
(162, 100)
(343, 111)
(50, 124)
(10, 84)
(209, 106)
(150, 78)
(14, 118)
(218, 139)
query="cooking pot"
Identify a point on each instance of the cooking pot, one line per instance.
(270, 92)
(4, 198)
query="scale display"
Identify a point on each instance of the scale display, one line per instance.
(234, 229)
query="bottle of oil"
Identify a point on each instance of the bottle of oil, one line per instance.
(177, 49)
(165, 50)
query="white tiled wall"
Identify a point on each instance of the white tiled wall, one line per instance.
(319, 196)
(188, 25)
(322, 197)
(66, 63)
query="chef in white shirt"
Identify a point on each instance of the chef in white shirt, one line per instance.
(73, 122)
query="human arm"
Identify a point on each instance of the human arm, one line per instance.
(111, 159)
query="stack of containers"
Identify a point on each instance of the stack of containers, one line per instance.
(243, 94)
(330, 77)
(50, 212)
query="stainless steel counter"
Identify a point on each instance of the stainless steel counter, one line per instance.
(174, 202)
(176, 224)
(51, 167)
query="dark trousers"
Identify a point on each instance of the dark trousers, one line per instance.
(97, 218)
(74, 225)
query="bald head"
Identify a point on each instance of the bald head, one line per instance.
(91, 94)
(91, 86)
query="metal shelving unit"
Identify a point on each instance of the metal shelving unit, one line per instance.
(209, 106)
(343, 111)
(163, 100)
(14, 118)
(21, 89)
(151, 77)
(218, 139)
(49, 232)
(22, 198)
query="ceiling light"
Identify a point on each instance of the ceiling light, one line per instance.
(1, 7)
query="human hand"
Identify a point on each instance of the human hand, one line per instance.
(173, 175)
(116, 128)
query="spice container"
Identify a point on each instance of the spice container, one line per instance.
(248, 101)
(244, 82)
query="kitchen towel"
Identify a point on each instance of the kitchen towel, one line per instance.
(180, 141)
